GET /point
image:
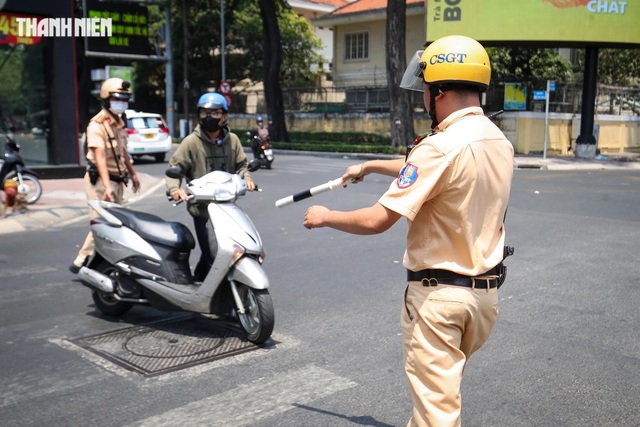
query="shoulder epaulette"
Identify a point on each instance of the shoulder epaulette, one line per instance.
(419, 139)
(102, 117)
(422, 136)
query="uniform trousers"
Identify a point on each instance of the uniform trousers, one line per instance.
(442, 326)
(95, 192)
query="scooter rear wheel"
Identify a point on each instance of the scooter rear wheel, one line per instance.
(258, 319)
(105, 302)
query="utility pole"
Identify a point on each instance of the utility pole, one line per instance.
(222, 46)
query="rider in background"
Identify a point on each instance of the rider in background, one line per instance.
(263, 135)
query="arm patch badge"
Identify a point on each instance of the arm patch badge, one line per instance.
(407, 176)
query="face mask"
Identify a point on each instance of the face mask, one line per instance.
(210, 124)
(118, 107)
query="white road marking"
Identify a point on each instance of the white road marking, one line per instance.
(249, 403)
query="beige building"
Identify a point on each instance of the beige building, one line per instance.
(311, 10)
(359, 40)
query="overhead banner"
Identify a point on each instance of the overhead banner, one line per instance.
(129, 28)
(556, 21)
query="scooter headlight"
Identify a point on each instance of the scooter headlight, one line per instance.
(238, 252)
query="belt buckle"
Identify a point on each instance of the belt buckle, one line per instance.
(427, 281)
(487, 281)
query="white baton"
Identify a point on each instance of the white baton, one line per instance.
(308, 193)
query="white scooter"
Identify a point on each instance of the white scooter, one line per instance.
(140, 259)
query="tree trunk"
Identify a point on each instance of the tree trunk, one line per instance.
(271, 70)
(402, 133)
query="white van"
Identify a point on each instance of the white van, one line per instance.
(148, 134)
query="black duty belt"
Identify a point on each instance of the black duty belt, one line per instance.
(118, 179)
(431, 277)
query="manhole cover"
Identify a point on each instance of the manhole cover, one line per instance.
(167, 346)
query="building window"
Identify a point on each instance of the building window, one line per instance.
(356, 46)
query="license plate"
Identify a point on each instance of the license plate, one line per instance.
(138, 149)
(268, 152)
(149, 136)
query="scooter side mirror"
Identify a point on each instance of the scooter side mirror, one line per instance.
(174, 172)
(253, 165)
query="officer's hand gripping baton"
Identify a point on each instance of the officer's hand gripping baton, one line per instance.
(308, 193)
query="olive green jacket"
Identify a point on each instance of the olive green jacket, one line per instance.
(197, 155)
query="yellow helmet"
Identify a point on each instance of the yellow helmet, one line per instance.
(450, 59)
(115, 88)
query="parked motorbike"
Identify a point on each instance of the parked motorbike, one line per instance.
(12, 168)
(264, 154)
(141, 259)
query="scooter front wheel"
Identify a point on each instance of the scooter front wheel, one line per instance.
(258, 319)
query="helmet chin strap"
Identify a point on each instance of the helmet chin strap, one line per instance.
(433, 92)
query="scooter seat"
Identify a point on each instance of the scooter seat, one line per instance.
(155, 229)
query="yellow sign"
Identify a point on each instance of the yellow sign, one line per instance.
(515, 97)
(577, 21)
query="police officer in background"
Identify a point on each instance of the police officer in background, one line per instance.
(210, 147)
(109, 169)
(453, 190)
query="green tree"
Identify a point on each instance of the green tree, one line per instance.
(299, 45)
(619, 67)
(287, 54)
(23, 94)
(198, 68)
(529, 66)
(11, 95)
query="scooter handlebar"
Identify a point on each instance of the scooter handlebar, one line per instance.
(177, 202)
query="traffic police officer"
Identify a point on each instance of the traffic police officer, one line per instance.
(109, 168)
(453, 189)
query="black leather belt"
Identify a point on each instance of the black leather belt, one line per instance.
(434, 277)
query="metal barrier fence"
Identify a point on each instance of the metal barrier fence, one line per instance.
(566, 98)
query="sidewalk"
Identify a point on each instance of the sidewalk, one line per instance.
(63, 201)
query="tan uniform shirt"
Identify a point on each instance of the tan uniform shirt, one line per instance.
(103, 131)
(454, 190)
